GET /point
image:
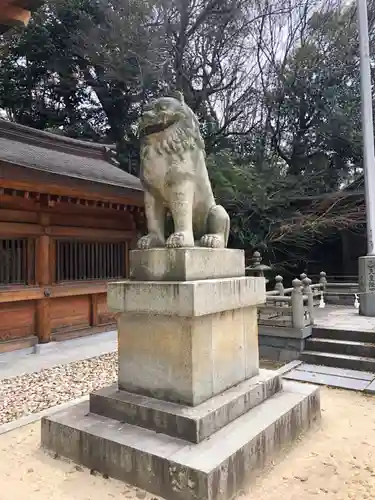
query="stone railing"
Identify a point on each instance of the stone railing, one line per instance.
(291, 307)
(287, 317)
(340, 290)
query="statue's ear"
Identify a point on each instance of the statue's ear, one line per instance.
(177, 94)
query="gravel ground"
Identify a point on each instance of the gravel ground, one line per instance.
(31, 393)
(335, 462)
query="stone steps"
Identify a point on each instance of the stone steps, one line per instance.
(341, 348)
(348, 347)
(339, 360)
(347, 335)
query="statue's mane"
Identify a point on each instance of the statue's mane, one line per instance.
(175, 139)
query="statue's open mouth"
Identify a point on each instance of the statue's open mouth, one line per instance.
(154, 128)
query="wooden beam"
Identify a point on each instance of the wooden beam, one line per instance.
(62, 209)
(100, 221)
(7, 215)
(15, 344)
(68, 290)
(10, 229)
(20, 229)
(84, 233)
(17, 294)
(24, 293)
(62, 189)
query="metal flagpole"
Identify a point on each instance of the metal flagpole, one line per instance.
(367, 124)
(367, 262)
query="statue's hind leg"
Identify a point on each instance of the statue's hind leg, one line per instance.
(218, 224)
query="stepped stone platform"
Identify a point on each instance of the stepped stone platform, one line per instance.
(192, 416)
(343, 339)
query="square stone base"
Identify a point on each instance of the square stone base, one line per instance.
(193, 424)
(214, 469)
(187, 360)
(188, 341)
(186, 264)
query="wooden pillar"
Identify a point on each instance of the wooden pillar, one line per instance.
(43, 321)
(127, 250)
(43, 279)
(94, 310)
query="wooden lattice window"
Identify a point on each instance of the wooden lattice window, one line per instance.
(17, 261)
(85, 261)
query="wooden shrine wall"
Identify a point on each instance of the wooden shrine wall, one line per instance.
(55, 261)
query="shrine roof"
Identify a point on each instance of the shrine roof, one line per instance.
(55, 154)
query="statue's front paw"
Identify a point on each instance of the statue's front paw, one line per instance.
(212, 241)
(180, 240)
(149, 241)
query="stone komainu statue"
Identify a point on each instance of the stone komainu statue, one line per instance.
(174, 176)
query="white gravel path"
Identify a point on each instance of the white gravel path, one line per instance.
(31, 393)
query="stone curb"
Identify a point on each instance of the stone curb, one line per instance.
(289, 366)
(34, 417)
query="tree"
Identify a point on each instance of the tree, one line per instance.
(275, 86)
(312, 100)
(72, 69)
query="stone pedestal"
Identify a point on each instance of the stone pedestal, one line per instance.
(193, 339)
(192, 416)
(367, 285)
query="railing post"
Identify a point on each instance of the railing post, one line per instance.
(279, 287)
(307, 290)
(298, 315)
(323, 280)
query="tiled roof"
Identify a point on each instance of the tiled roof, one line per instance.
(59, 155)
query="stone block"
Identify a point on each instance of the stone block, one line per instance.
(370, 388)
(278, 354)
(337, 372)
(215, 469)
(289, 366)
(269, 353)
(187, 360)
(282, 342)
(367, 285)
(186, 264)
(192, 424)
(287, 355)
(285, 331)
(326, 379)
(186, 298)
